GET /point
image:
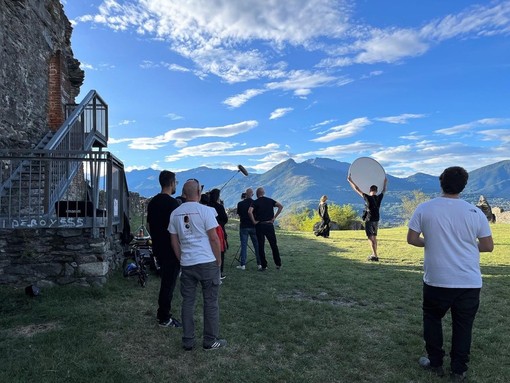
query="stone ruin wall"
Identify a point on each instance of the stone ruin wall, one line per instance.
(51, 257)
(38, 72)
(38, 77)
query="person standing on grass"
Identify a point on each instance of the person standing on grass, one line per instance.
(454, 233)
(323, 213)
(197, 246)
(371, 214)
(247, 229)
(158, 217)
(222, 218)
(262, 215)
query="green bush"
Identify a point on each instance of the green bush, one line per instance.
(304, 219)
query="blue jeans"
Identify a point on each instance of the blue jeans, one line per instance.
(463, 304)
(243, 235)
(208, 274)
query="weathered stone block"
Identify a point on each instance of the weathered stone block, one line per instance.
(96, 269)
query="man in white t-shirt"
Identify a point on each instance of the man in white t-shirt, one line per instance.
(454, 233)
(195, 242)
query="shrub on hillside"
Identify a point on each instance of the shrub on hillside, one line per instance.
(304, 219)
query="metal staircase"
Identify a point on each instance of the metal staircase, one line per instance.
(66, 164)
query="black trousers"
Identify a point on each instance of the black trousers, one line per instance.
(266, 230)
(169, 272)
(463, 304)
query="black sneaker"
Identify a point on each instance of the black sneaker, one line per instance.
(262, 268)
(424, 362)
(373, 258)
(187, 348)
(223, 276)
(218, 343)
(172, 322)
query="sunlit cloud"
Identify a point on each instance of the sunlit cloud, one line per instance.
(482, 123)
(174, 116)
(339, 151)
(413, 136)
(343, 131)
(147, 64)
(221, 149)
(401, 119)
(279, 113)
(182, 135)
(176, 68)
(87, 66)
(240, 99)
(126, 122)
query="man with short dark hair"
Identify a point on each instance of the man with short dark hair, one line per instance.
(197, 246)
(371, 214)
(262, 215)
(454, 233)
(158, 216)
(247, 229)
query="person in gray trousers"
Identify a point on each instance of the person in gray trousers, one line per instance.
(196, 244)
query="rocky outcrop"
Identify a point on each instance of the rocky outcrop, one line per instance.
(32, 34)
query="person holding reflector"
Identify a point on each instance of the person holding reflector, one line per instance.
(362, 168)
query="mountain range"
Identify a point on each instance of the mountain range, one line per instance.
(299, 185)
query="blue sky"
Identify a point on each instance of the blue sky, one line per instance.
(417, 85)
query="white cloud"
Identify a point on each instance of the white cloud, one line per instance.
(239, 40)
(238, 100)
(147, 64)
(279, 113)
(401, 119)
(320, 124)
(502, 135)
(301, 81)
(413, 136)
(463, 128)
(174, 117)
(343, 131)
(126, 122)
(86, 66)
(177, 68)
(339, 151)
(221, 149)
(182, 135)
(489, 19)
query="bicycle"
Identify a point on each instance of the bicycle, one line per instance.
(141, 256)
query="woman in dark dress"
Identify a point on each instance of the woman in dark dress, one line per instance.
(323, 213)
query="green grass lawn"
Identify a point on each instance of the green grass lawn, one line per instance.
(327, 316)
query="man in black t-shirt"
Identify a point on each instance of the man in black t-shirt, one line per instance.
(247, 229)
(262, 215)
(158, 217)
(371, 214)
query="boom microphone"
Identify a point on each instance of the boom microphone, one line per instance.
(240, 168)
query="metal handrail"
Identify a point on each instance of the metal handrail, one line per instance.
(82, 127)
(100, 191)
(33, 182)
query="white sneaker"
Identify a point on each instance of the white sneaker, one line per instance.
(259, 267)
(241, 267)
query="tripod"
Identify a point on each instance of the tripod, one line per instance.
(237, 255)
